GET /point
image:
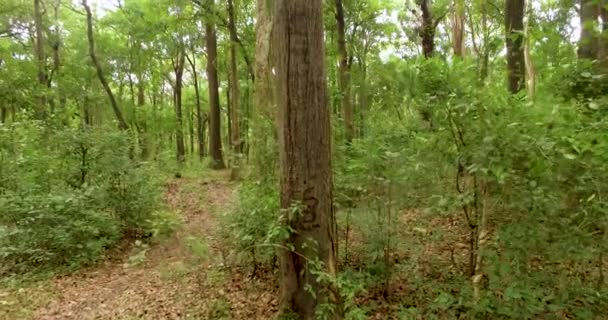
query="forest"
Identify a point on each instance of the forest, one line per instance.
(303, 159)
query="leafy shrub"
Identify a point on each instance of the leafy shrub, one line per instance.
(67, 195)
(52, 230)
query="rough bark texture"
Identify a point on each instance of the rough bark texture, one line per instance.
(178, 68)
(427, 31)
(122, 124)
(235, 130)
(514, 28)
(215, 138)
(344, 74)
(458, 23)
(304, 138)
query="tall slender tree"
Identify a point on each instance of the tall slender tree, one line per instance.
(40, 56)
(215, 137)
(304, 148)
(235, 130)
(122, 124)
(344, 73)
(178, 69)
(514, 30)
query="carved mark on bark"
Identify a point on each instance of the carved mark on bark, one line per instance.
(309, 212)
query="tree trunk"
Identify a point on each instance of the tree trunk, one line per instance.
(199, 114)
(263, 150)
(588, 41)
(40, 58)
(458, 23)
(122, 124)
(427, 31)
(514, 28)
(530, 69)
(344, 74)
(235, 130)
(305, 167)
(215, 137)
(178, 68)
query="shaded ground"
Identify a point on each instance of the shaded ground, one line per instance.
(184, 277)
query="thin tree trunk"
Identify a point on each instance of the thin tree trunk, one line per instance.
(179, 132)
(530, 69)
(199, 114)
(305, 153)
(344, 74)
(514, 28)
(215, 137)
(235, 131)
(122, 124)
(40, 57)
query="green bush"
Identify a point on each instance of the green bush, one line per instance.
(52, 230)
(68, 194)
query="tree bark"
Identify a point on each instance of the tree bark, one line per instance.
(344, 74)
(235, 130)
(427, 31)
(178, 68)
(40, 58)
(458, 23)
(305, 168)
(514, 28)
(122, 124)
(215, 138)
(588, 42)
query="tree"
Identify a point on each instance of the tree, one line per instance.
(588, 42)
(215, 138)
(428, 28)
(304, 149)
(178, 69)
(40, 56)
(200, 130)
(458, 23)
(122, 124)
(344, 74)
(235, 130)
(514, 29)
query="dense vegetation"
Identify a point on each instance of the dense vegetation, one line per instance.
(469, 146)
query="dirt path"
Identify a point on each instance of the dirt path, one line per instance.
(186, 276)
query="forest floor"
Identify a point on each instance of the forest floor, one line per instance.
(185, 276)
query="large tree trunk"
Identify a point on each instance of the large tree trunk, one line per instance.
(344, 74)
(588, 42)
(199, 114)
(305, 168)
(179, 132)
(122, 124)
(427, 31)
(458, 23)
(40, 58)
(514, 28)
(215, 137)
(235, 130)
